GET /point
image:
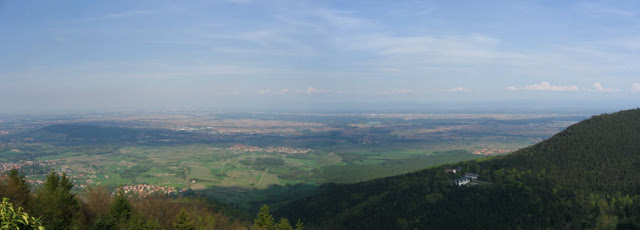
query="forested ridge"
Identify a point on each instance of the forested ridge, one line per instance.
(585, 177)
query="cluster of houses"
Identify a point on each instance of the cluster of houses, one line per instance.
(8, 166)
(493, 151)
(143, 190)
(270, 149)
(468, 177)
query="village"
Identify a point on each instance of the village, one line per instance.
(270, 149)
(143, 190)
(17, 165)
(493, 151)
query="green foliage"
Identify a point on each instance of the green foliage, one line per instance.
(299, 225)
(10, 218)
(585, 177)
(121, 209)
(16, 189)
(55, 203)
(183, 221)
(264, 220)
(98, 210)
(283, 224)
(102, 224)
(139, 222)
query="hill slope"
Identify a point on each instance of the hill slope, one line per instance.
(585, 177)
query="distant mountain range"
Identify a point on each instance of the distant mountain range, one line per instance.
(585, 177)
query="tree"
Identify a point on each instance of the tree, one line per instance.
(98, 201)
(139, 222)
(121, 209)
(299, 225)
(102, 224)
(18, 190)
(183, 221)
(55, 203)
(283, 224)
(10, 218)
(264, 219)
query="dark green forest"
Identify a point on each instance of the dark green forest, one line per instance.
(55, 206)
(585, 177)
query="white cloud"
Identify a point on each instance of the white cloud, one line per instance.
(341, 19)
(283, 92)
(310, 90)
(546, 86)
(397, 92)
(597, 87)
(264, 91)
(457, 89)
(635, 87)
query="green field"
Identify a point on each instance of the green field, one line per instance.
(260, 161)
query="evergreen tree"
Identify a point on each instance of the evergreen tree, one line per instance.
(121, 209)
(283, 224)
(183, 221)
(55, 203)
(102, 224)
(264, 219)
(17, 189)
(299, 225)
(139, 222)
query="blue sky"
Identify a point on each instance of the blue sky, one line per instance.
(259, 55)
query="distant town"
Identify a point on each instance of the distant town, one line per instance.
(270, 149)
(142, 190)
(493, 151)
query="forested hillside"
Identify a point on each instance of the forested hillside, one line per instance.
(585, 177)
(54, 206)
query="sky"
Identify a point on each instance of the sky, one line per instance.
(297, 55)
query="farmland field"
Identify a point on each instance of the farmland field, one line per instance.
(248, 159)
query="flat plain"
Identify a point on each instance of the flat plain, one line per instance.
(249, 159)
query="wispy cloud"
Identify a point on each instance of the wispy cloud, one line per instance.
(546, 86)
(312, 90)
(273, 92)
(341, 19)
(635, 87)
(283, 92)
(209, 71)
(457, 89)
(121, 15)
(397, 92)
(600, 10)
(597, 87)
(471, 46)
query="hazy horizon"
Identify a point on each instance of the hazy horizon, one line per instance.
(319, 56)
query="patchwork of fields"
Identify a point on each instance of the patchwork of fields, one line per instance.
(267, 158)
